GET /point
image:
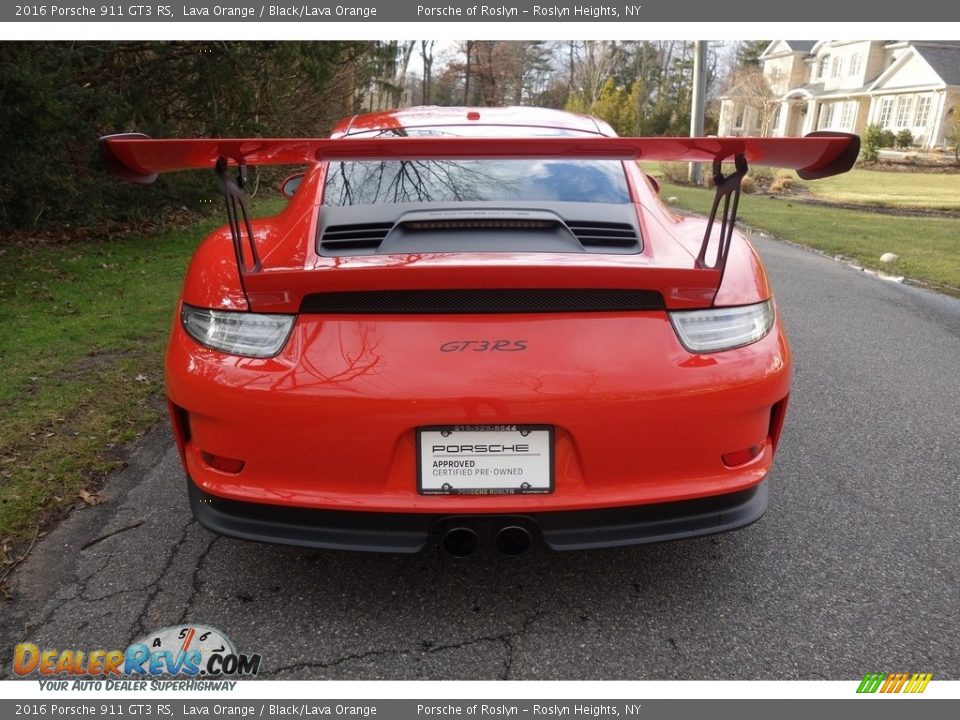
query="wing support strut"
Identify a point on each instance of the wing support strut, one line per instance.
(727, 192)
(238, 218)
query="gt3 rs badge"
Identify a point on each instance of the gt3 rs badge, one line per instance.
(484, 346)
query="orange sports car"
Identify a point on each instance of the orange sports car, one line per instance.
(476, 327)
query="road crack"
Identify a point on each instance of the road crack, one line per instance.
(110, 535)
(195, 578)
(507, 639)
(139, 628)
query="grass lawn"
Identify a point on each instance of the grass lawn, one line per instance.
(83, 331)
(937, 191)
(929, 247)
(878, 188)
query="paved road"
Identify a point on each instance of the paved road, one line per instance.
(854, 568)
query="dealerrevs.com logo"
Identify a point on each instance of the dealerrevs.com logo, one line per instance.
(888, 683)
(201, 655)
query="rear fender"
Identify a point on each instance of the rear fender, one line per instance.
(283, 240)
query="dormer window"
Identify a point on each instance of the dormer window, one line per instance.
(822, 67)
(855, 65)
(837, 67)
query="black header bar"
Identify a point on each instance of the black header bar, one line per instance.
(419, 11)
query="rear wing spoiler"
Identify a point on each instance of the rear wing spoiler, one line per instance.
(137, 158)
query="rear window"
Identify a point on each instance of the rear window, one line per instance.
(419, 181)
(416, 181)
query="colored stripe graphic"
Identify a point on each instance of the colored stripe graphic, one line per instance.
(901, 679)
(919, 682)
(894, 683)
(871, 682)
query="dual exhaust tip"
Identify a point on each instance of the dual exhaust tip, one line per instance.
(510, 540)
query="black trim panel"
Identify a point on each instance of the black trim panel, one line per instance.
(411, 532)
(470, 301)
(616, 527)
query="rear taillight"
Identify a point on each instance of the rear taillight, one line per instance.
(237, 333)
(716, 329)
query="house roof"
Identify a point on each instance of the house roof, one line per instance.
(786, 47)
(943, 57)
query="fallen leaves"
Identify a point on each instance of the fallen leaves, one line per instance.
(91, 498)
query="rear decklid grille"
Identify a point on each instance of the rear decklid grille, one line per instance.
(471, 301)
(398, 229)
(606, 235)
(339, 239)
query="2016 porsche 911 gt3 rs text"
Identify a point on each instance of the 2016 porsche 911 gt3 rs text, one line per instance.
(480, 326)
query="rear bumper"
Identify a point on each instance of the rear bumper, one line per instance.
(331, 423)
(412, 532)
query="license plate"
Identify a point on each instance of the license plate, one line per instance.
(485, 459)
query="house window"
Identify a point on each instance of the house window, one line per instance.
(846, 120)
(924, 102)
(904, 103)
(822, 67)
(775, 75)
(886, 107)
(826, 116)
(739, 117)
(854, 66)
(837, 67)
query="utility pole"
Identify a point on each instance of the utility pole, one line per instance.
(466, 79)
(699, 101)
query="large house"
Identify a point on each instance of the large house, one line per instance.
(849, 84)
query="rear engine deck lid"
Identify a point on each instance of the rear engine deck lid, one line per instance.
(610, 228)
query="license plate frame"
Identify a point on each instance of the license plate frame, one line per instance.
(533, 466)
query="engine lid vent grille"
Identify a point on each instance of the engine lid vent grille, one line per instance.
(594, 235)
(362, 236)
(471, 301)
